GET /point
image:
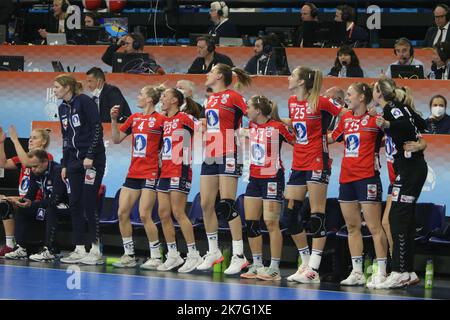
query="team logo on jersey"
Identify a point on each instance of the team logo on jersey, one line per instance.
(151, 122)
(24, 185)
(212, 119)
(76, 120)
(395, 193)
(271, 189)
(65, 123)
(371, 191)
(258, 154)
(301, 132)
(396, 113)
(140, 145)
(352, 143)
(167, 149)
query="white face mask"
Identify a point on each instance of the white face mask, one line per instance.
(437, 111)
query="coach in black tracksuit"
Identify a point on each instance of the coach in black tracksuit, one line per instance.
(404, 125)
(83, 160)
(46, 178)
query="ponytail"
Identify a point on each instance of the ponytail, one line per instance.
(313, 83)
(274, 113)
(244, 79)
(192, 108)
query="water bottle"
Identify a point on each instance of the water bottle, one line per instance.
(299, 261)
(343, 72)
(374, 267)
(432, 75)
(226, 258)
(367, 267)
(429, 272)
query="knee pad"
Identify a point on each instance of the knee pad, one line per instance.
(253, 228)
(226, 208)
(318, 225)
(294, 225)
(6, 211)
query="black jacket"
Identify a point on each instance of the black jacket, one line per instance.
(81, 128)
(54, 190)
(431, 34)
(357, 37)
(438, 72)
(352, 72)
(198, 66)
(439, 126)
(109, 97)
(226, 29)
(262, 65)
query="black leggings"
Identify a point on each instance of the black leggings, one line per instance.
(29, 231)
(405, 193)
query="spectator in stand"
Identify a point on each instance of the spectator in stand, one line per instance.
(346, 64)
(309, 12)
(222, 27)
(207, 56)
(440, 61)
(132, 43)
(263, 62)
(356, 35)
(404, 51)
(61, 10)
(90, 19)
(439, 120)
(440, 32)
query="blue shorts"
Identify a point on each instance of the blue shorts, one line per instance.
(221, 166)
(139, 184)
(301, 178)
(365, 190)
(267, 189)
(174, 184)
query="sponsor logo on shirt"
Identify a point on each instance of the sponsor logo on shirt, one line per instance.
(301, 132)
(395, 193)
(76, 120)
(396, 113)
(167, 148)
(258, 154)
(352, 143)
(140, 145)
(212, 120)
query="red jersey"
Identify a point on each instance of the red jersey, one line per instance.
(362, 139)
(265, 148)
(177, 146)
(390, 149)
(24, 177)
(146, 144)
(311, 146)
(224, 111)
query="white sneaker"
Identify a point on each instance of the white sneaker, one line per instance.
(173, 260)
(126, 261)
(74, 257)
(43, 256)
(210, 259)
(193, 260)
(252, 271)
(151, 264)
(93, 258)
(236, 265)
(19, 253)
(395, 280)
(376, 280)
(307, 276)
(354, 279)
(300, 270)
(269, 274)
(413, 279)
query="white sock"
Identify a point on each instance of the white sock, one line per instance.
(257, 259)
(382, 266)
(155, 252)
(95, 248)
(238, 247)
(304, 255)
(191, 247)
(128, 246)
(172, 246)
(80, 249)
(357, 264)
(10, 241)
(275, 263)
(213, 241)
(316, 258)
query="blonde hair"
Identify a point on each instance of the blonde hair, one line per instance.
(68, 80)
(313, 83)
(45, 135)
(391, 92)
(154, 92)
(267, 107)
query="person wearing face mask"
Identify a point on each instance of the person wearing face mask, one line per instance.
(346, 64)
(106, 96)
(440, 61)
(439, 120)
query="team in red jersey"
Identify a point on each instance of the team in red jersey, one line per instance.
(175, 180)
(360, 184)
(220, 169)
(264, 193)
(19, 228)
(146, 129)
(310, 115)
